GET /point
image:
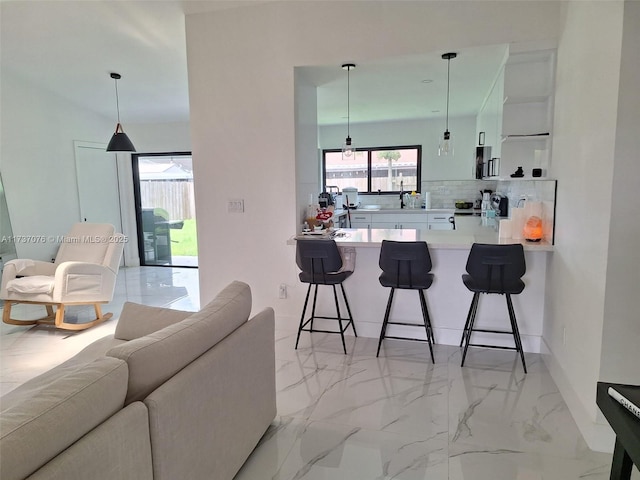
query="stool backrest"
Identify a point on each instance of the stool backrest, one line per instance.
(496, 268)
(405, 263)
(318, 257)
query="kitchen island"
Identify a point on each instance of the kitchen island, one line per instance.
(448, 298)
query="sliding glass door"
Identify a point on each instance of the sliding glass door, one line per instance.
(165, 209)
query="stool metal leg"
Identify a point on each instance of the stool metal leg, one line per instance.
(386, 319)
(335, 296)
(427, 323)
(304, 310)
(516, 331)
(472, 320)
(346, 302)
(472, 309)
(313, 308)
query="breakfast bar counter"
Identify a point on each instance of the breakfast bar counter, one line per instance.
(448, 298)
(442, 239)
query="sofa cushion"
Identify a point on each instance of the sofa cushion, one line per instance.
(37, 425)
(156, 357)
(119, 448)
(139, 320)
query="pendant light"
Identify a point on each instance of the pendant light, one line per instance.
(445, 144)
(119, 141)
(348, 149)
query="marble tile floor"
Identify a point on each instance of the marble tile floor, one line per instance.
(358, 417)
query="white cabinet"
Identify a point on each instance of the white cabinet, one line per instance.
(360, 220)
(527, 113)
(399, 220)
(418, 219)
(440, 220)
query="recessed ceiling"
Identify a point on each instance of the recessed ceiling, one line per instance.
(406, 87)
(70, 47)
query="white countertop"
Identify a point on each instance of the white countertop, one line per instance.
(443, 239)
(394, 210)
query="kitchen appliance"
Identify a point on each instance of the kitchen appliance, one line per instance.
(350, 193)
(500, 203)
(483, 155)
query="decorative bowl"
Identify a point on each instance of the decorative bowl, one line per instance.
(464, 205)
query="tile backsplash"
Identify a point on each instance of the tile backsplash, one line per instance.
(445, 193)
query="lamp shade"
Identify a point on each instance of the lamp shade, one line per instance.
(120, 142)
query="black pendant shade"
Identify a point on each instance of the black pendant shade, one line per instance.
(119, 141)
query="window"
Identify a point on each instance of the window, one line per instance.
(165, 209)
(374, 170)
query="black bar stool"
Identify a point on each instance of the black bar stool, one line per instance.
(494, 269)
(321, 262)
(406, 265)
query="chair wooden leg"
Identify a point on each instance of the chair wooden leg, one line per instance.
(53, 318)
(6, 315)
(60, 323)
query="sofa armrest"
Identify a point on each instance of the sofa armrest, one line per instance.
(206, 420)
(139, 320)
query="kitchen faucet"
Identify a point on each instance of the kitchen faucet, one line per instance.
(401, 194)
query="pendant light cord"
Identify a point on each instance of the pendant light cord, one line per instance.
(348, 100)
(448, 67)
(117, 101)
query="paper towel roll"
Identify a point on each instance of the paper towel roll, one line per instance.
(504, 229)
(427, 200)
(518, 218)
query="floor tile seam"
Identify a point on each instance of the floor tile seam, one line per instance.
(401, 435)
(528, 451)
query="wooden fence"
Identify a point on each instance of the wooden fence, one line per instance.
(174, 196)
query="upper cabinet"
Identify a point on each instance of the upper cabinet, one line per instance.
(517, 116)
(527, 114)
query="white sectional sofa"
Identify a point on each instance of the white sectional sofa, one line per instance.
(170, 395)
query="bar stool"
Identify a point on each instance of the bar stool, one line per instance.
(406, 265)
(496, 269)
(321, 264)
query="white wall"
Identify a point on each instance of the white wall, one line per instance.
(584, 155)
(620, 360)
(243, 114)
(38, 162)
(459, 166)
(160, 137)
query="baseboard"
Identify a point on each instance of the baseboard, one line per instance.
(598, 436)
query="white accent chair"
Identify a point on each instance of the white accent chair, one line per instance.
(84, 273)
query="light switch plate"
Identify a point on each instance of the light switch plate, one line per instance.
(235, 205)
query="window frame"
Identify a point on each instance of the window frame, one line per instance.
(369, 151)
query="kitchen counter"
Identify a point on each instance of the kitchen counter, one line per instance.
(440, 239)
(448, 298)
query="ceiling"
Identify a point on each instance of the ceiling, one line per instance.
(70, 47)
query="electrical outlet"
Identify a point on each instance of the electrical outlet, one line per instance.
(235, 205)
(282, 291)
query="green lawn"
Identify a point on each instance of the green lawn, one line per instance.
(183, 241)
